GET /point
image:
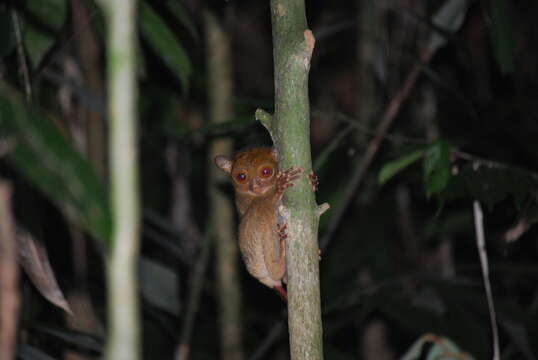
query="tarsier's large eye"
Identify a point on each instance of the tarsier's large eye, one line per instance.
(266, 172)
(241, 177)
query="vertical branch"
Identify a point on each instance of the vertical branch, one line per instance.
(9, 276)
(89, 53)
(293, 44)
(481, 245)
(23, 64)
(367, 101)
(87, 130)
(196, 284)
(123, 339)
(221, 217)
(373, 342)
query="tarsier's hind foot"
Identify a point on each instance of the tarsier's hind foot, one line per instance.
(284, 179)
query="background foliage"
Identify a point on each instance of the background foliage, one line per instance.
(403, 261)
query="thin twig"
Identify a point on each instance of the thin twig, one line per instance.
(21, 56)
(274, 334)
(9, 276)
(388, 117)
(365, 129)
(493, 164)
(168, 243)
(335, 142)
(518, 229)
(196, 285)
(67, 40)
(354, 124)
(481, 245)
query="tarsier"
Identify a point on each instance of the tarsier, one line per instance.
(259, 187)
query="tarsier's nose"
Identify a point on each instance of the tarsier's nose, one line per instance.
(255, 186)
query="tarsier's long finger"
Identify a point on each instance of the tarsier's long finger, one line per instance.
(285, 178)
(294, 173)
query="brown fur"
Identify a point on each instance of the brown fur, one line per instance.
(257, 197)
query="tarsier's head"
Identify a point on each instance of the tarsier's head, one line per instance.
(253, 171)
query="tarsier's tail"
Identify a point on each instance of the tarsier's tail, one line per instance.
(281, 292)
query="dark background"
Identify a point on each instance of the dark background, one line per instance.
(403, 261)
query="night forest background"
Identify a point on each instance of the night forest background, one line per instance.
(400, 263)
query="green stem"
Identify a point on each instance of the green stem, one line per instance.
(293, 44)
(123, 306)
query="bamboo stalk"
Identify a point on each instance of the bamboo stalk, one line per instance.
(220, 88)
(123, 305)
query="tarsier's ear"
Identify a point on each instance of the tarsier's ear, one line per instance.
(223, 163)
(274, 152)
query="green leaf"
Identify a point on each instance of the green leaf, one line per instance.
(162, 40)
(179, 11)
(442, 348)
(85, 341)
(51, 13)
(48, 161)
(502, 36)
(37, 44)
(449, 18)
(46, 19)
(392, 168)
(29, 352)
(491, 185)
(436, 167)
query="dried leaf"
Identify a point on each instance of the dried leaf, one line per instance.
(35, 262)
(159, 285)
(449, 17)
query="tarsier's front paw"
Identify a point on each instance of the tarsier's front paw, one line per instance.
(284, 178)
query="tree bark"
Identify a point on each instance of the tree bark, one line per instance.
(293, 44)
